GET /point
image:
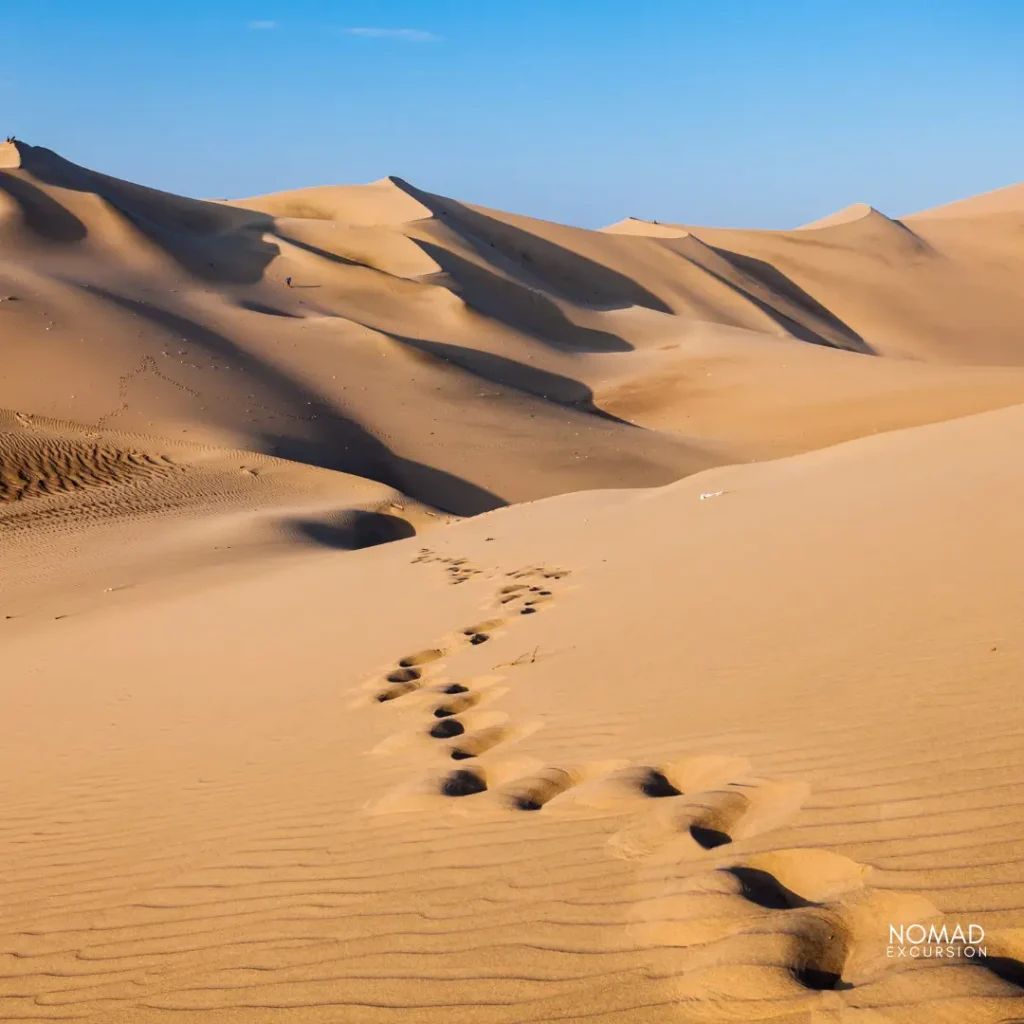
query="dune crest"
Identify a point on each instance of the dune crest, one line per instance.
(853, 212)
(387, 202)
(10, 155)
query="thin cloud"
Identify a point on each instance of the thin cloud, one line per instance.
(410, 35)
(262, 26)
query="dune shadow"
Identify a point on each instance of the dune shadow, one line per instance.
(259, 307)
(212, 241)
(833, 332)
(537, 260)
(511, 302)
(43, 215)
(315, 250)
(323, 435)
(531, 380)
(352, 530)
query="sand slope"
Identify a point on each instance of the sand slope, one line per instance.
(465, 356)
(87, 515)
(719, 760)
(927, 287)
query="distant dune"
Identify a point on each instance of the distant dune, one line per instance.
(413, 612)
(1008, 200)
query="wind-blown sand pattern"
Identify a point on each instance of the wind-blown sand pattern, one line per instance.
(507, 622)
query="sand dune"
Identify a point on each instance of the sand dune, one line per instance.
(83, 510)
(928, 288)
(697, 782)
(407, 306)
(1008, 200)
(502, 621)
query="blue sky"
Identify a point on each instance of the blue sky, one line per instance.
(585, 111)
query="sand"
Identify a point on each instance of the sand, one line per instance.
(504, 622)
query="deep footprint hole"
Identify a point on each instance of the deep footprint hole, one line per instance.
(479, 638)
(655, 784)
(765, 890)
(463, 782)
(456, 688)
(1005, 968)
(820, 981)
(394, 692)
(525, 803)
(533, 795)
(403, 675)
(447, 728)
(709, 838)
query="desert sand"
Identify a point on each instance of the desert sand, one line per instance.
(414, 612)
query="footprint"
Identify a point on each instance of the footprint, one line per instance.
(714, 825)
(397, 690)
(744, 809)
(482, 629)
(694, 773)
(419, 738)
(456, 704)
(654, 783)
(447, 728)
(712, 819)
(533, 793)
(421, 657)
(403, 681)
(464, 782)
(820, 947)
(634, 785)
(844, 944)
(1005, 968)
(765, 890)
(810, 875)
(1005, 956)
(530, 596)
(478, 742)
(403, 675)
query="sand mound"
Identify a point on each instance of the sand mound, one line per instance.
(847, 215)
(651, 228)
(10, 155)
(1008, 200)
(78, 505)
(384, 203)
